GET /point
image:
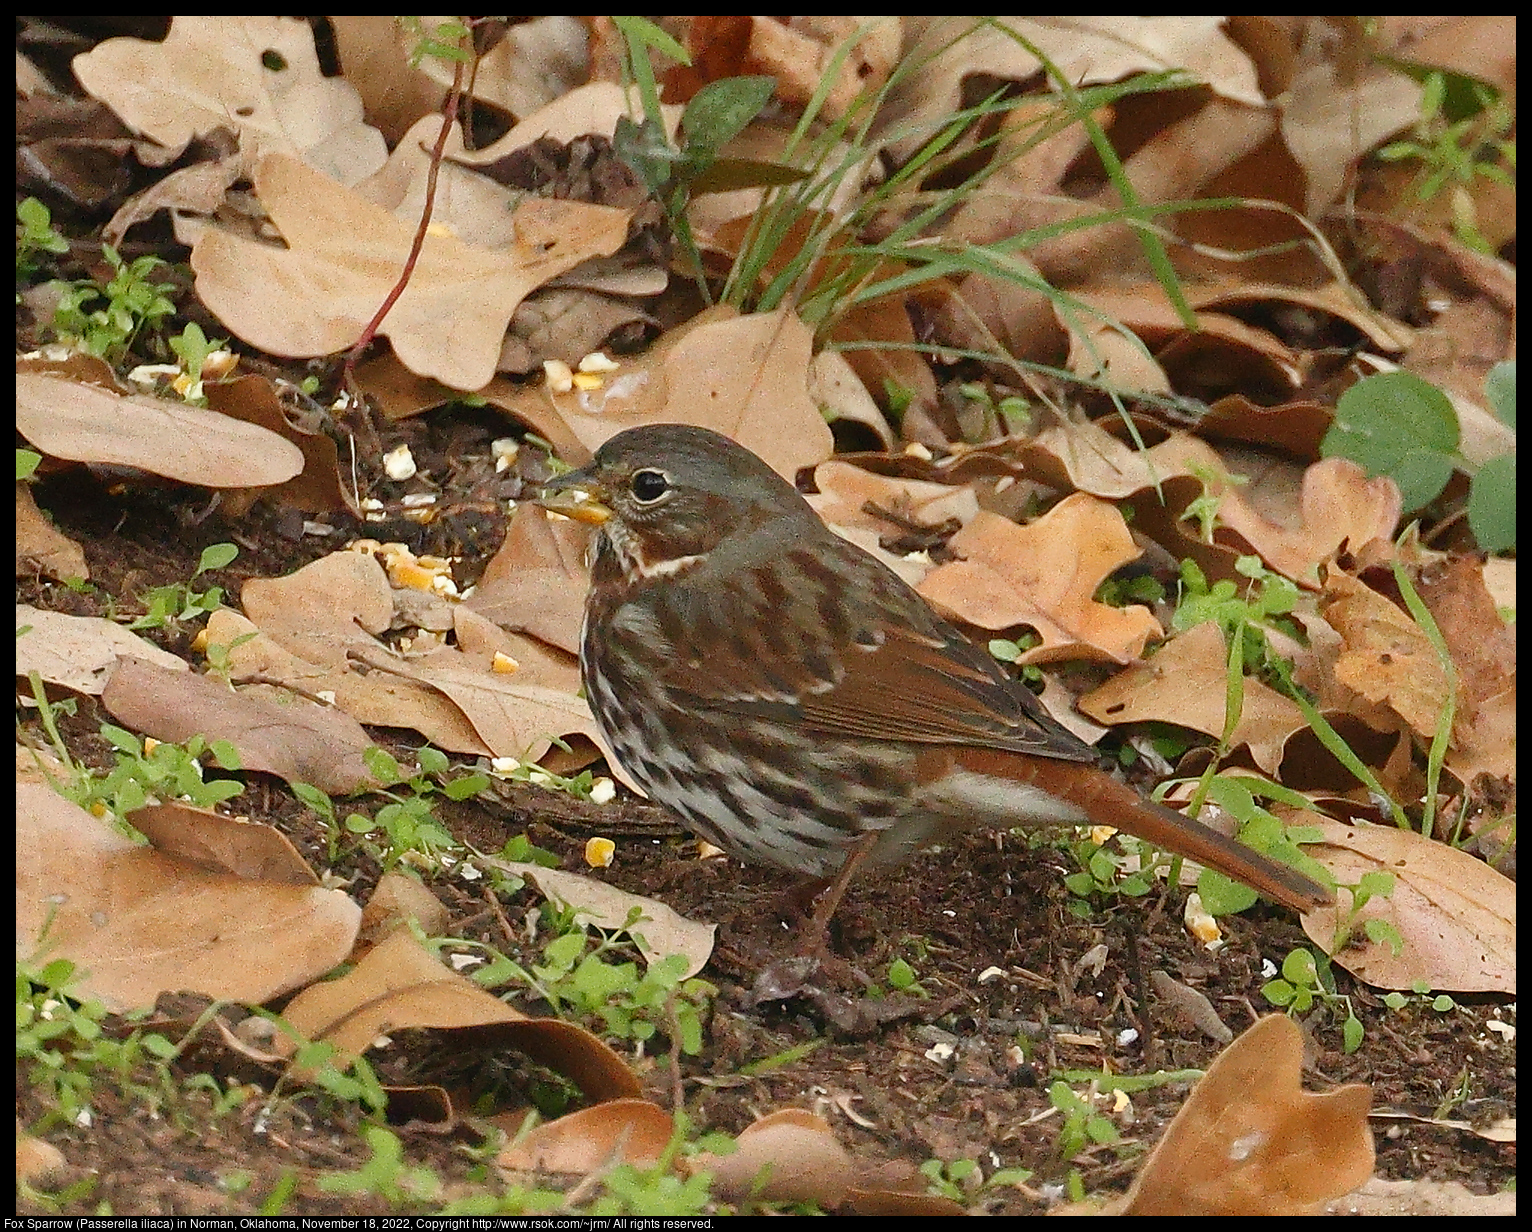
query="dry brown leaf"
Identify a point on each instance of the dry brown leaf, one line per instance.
(846, 490)
(325, 609)
(80, 652)
(299, 742)
(399, 898)
(1442, 1199)
(210, 840)
(834, 385)
(379, 698)
(659, 932)
(620, 1131)
(346, 255)
(512, 718)
(374, 57)
(1185, 684)
(537, 61)
(1251, 1141)
(136, 922)
(1482, 645)
(1385, 656)
(536, 661)
(1045, 575)
(744, 376)
(41, 546)
(198, 189)
(400, 984)
(1456, 915)
(84, 423)
(258, 76)
(788, 1156)
(1332, 117)
(319, 488)
(536, 582)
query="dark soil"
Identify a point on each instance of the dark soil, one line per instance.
(1016, 987)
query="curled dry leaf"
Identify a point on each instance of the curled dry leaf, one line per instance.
(744, 376)
(137, 922)
(620, 1131)
(1251, 1141)
(400, 898)
(41, 546)
(222, 844)
(536, 582)
(788, 1156)
(400, 984)
(1455, 914)
(659, 932)
(1385, 656)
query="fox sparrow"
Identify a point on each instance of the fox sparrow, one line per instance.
(796, 702)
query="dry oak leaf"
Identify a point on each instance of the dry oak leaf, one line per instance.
(345, 256)
(787, 1156)
(1456, 914)
(1251, 1141)
(536, 582)
(400, 984)
(137, 922)
(744, 376)
(1045, 575)
(259, 76)
(1185, 683)
(1385, 656)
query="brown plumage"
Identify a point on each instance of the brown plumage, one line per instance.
(787, 695)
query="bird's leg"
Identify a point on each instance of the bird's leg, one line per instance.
(811, 942)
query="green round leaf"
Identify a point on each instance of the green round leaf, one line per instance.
(1492, 504)
(1500, 391)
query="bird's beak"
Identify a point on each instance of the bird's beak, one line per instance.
(577, 495)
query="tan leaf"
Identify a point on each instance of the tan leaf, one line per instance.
(536, 582)
(397, 899)
(1251, 1141)
(1185, 683)
(400, 984)
(746, 377)
(80, 652)
(41, 546)
(300, 742)
(659, 932)
(84, 423)
(1456, 915)
(137, 922)
(788, 1156)
(346, 255)
(222, 844)
(1386, 656)
(620, 1131)
(1045, 575)
(258, 76)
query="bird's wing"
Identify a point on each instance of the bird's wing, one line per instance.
(880, 665)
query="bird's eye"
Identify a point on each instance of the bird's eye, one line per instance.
(648, 486)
